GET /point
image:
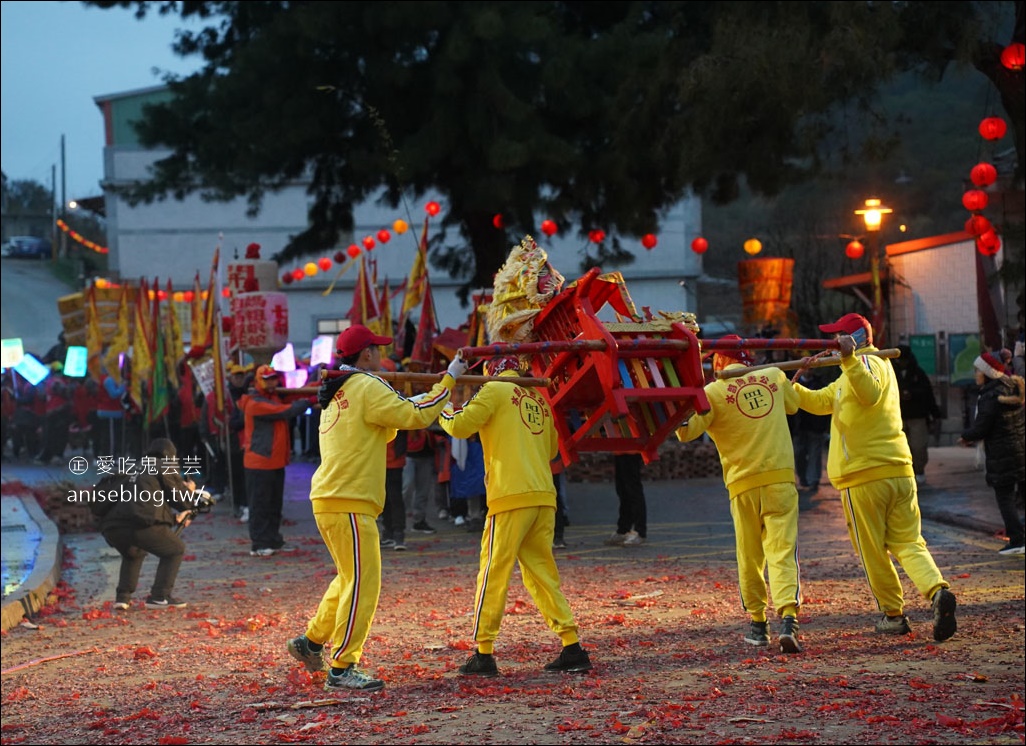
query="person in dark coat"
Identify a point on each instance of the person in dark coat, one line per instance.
(919, 410)
(147, 508)
(999, 424)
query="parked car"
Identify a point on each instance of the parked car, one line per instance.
(28, 247)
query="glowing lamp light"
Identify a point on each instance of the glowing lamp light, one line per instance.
(353, 250)
(988, 243)
(324, 263)
(596, 236)
(298, 274)
(854, 250)
(753, 246)
(983, 174)
(498, 222)
(649, 241)
(400, 227)
(977, 225)
(368, 242)
(975, 200)
(433, 208)
(549, 227)
(699, 245)
(873, 213)
(993, 128)
(384, 236)
(1013, 57)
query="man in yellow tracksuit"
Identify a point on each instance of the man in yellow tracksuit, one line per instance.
(360, 415)
(519, 440)
(747, 420)
(870, 463)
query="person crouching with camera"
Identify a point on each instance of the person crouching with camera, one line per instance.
(151, 509)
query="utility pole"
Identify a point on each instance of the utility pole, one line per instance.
(64, 200)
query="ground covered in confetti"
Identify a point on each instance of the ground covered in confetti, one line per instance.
(663, 628)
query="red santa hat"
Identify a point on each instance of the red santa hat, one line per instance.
(989, 365)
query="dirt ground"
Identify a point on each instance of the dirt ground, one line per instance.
(662, 623)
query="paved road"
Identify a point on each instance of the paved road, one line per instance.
(28, 303)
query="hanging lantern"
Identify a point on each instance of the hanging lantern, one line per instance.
(286, 278)
(368, 242)
(178, 296)
(384, 236)
(309, 269)
(753, 246)
(324, 264)
(699, 245)
(975, 200)
(854, 250)
(549, 227)
(497, 221)
(1013, 56)
(226, 292)
(988, 243)
(297, 274)
(188, 296)
(161, 295)
(993, 128)
(649, 241)
(983, 174)
(340, 257)
(400, 226)
(353, 250)
(596, 236)
(977, 225)
(433, 208)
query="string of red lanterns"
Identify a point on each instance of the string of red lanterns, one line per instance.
(79, 238)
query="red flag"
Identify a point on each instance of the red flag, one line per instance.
(365, 296)
(213, 291)
(426, 329)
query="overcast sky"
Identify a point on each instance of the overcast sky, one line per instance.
(55, 58)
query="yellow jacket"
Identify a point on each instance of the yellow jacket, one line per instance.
(358, 421)
(518, 437)
(866, 439)
(747, 420)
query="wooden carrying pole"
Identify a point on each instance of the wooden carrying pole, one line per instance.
(819, 362)
(433, 378)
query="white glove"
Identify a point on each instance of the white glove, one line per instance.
(458, 366)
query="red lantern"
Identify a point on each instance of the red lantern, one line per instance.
(993, 128)
(324, 263)
(161, 295)
(287, 278)
(226, 292)
(649, 241)
(353, 250)
(1013, 56)
(699, 245)
(596, 236)
(368, 243)
(988, 243)
(298, 274)
(189, 296)
(977, 225)
(497, 221)
(975, 200)
(983, 174)
(854, 250)
(384, 236)
(340, 257)
(549, 227)
(433, 208)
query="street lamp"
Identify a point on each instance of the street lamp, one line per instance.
(873, 214)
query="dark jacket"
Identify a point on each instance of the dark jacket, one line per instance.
(147, 500)
(917, 399)
(1000, 427)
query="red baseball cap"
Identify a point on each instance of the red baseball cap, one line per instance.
(849, 324)
(356, 339)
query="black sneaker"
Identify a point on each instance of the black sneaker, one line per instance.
(944, 624)
(299, 648)
(1012, 549)
(572, 659)
(422, 527)
(758, 634)
(789, 635)
(164, 603)
(480, 664)
(558, 543)
(399, 546)
(352, 678)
